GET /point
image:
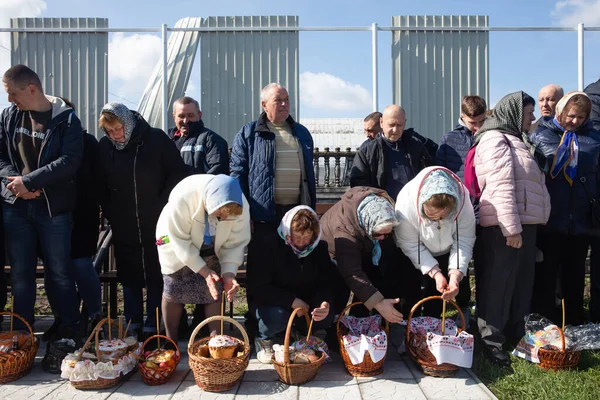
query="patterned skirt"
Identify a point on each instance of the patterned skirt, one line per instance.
(187, 287)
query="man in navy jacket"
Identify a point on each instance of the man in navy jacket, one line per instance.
(41, 145)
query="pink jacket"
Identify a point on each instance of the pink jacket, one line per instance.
(513, 186)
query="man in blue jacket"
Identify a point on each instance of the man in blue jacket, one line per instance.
(456, 143)
(272, 158)
(41, 145)
(204, 151)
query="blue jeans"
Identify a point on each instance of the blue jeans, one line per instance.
(134, 306)
(26, 222)
(88, 284)
(273, 320)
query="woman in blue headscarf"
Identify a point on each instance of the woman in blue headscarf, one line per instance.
(437, 232)
(201, 236)
(571, 147)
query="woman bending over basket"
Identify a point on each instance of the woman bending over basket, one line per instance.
(291, 270)
(437, 232)
(201, 235)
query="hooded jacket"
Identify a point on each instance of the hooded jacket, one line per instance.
(202, 150)
(135, 185)
(422, 239)
(181, 226)
(59, 158)
(571, 212)
(453, 149)
(253, 165)
(513, 185)
(593, 91)
(349, 244)
(370, 166)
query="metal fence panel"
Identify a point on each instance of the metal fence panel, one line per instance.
(69, 64)
(235, 66)
(432, 70)
(181, 52)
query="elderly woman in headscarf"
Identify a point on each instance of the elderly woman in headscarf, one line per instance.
(514, 201)
(353, 228)
(201, 236)
(292, 269)
(437, 232)
(139, 165)
(572, 148)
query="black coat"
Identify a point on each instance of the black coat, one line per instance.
(136, 183)
(570, 212)
(202, 150)
(86, 214)
(369, 167)
(593, 91)
(276, 276)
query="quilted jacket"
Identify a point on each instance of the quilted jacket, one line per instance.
(453, 149)
(253, 165)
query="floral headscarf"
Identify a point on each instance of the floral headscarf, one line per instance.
(221, 190)
(127, 119)
(284, 231)
(373, 212)
(439, 181)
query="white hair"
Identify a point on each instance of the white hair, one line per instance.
(265, 93)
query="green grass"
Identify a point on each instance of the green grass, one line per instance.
(525, 380)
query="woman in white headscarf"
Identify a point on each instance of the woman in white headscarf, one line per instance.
(292, 269)
(571, 146)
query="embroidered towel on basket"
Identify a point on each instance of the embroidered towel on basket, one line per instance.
(452, 348)
(365, 334)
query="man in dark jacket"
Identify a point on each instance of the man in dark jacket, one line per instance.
(593, 91)
(393, 158)
(272, 159)
(40, 151)
(456, 143)
(201, 149)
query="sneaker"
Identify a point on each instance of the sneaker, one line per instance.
(264, 350)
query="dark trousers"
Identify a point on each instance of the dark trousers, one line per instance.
(434, 308)
(561, 275)
(505, 282)
(595, 281)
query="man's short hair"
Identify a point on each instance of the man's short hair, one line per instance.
(264, 93)
(473, 106)
(187, 100)
(22, 76)
(374, 116)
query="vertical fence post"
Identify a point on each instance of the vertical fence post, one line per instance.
(375, 76)
(165, 83)
(580, 57)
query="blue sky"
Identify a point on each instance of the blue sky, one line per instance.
(342, 60)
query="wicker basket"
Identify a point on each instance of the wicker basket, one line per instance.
(217, 375)
(296, 374)
(557, 360)
(16, 364)
(159, 375)
(100, 383)
(367, 367)
(416, 345)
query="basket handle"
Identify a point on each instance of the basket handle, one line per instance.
(288, 332)
(347, 309)
(10, 313)
(218, 318)
(426, 299)
(154, 337)
(94, 334)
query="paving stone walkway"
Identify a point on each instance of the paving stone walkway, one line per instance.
(401, 379)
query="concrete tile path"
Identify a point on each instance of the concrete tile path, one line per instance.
(401, 379)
